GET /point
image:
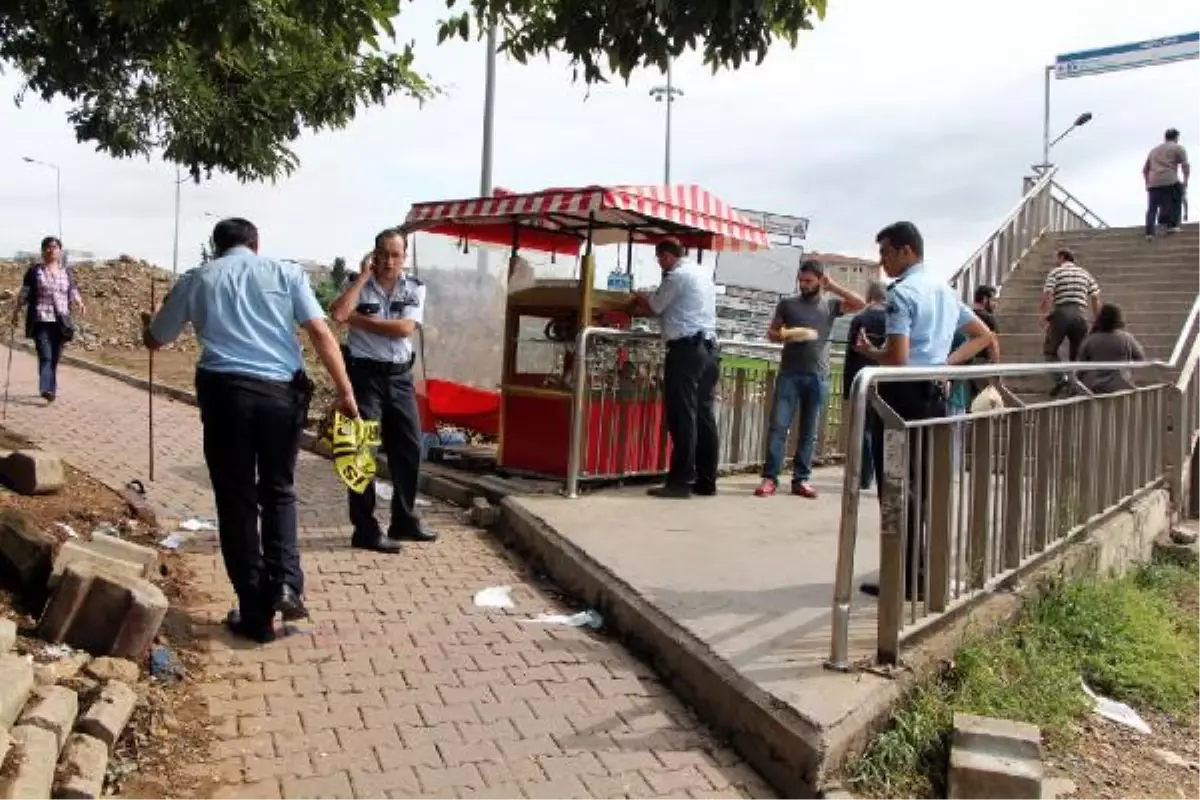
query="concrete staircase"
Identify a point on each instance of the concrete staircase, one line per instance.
(1154, 282)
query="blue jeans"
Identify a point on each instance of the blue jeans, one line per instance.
(806, 390)
(866, 470)
(47, 339)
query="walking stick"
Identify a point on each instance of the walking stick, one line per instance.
(150, 393)
(12, 338)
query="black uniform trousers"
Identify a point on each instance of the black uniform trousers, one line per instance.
(912, 401)
(689, 387)
(251, 441)
(384, 392)
(1065, 322)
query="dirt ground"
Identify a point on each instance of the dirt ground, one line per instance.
(1107, 760)
(152, 756)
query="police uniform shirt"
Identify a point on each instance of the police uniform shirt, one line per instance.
(244, 309)
(686, 303)
(405, 301)
(924, 308)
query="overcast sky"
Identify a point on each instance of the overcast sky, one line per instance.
(929, 110)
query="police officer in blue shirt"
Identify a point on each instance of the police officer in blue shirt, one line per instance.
(384, 307)
(922, 315)
(253, 395)
(686, 305)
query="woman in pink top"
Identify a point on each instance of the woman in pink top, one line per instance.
(48, 293)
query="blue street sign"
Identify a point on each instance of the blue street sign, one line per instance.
(1128, 56)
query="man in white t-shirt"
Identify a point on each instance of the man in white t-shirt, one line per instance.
(1164, 189)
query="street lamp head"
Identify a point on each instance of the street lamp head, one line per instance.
(28, 160)
(1083, 119)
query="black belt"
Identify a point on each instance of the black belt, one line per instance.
(694, 339)
(374, 367)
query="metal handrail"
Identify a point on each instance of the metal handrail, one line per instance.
(857, 402)
(1185, 333)
(1087, 212)
(1045, 179)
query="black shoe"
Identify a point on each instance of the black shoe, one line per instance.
(377, 543)
(872, 590)
(48, 397)
(1059, 388)
(263, 633)
(417, 534)
(704, 489)
(289, 605)
(669, 491)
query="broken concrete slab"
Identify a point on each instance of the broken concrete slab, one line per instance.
(994, 758)
(110, 713)
(8, 635)
(26, 553)
(29, 769)
(103, 613)
(483, 514)
(75, 552)
(81, 770)
(107, 668)
(33, 472)
(52, 708)
(107, 553)
(16, 683)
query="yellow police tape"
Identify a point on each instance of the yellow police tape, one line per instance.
(351, 441)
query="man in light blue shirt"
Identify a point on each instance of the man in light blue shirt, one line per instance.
(253, 395)
(686, 305)
(384, 308)
(922, 315)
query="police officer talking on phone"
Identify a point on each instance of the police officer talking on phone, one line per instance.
(383, 308)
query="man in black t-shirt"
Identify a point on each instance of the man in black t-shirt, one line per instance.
(872, 320)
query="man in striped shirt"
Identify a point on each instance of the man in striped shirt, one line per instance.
(1066, 296)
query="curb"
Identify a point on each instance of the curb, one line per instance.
(777, 741)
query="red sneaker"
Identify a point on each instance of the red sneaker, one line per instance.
(766, 488)
(804, 490)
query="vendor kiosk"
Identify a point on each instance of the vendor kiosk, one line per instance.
(543, 318)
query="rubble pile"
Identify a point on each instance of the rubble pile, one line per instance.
(116, 293)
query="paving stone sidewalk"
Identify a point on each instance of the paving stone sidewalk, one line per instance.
(403, 688)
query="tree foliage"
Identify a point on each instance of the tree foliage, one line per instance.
(230, 84)
(212, 84)
(617, 36)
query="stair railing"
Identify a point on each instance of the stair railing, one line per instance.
(1183, 416)
(1046, 207)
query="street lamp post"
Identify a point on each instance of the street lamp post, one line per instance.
(1047, 144)
(489, 122)
(667, 93)
(179, 179)
(57, 187)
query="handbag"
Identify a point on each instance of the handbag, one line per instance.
(66, 326)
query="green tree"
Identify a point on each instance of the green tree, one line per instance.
(327, 291)
(229, 84)
(337, 273)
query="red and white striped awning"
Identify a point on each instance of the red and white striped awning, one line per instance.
(559, 220)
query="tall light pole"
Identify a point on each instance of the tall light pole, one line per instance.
(667, 93)
(57, 187)
(179, 179)
(489, 123)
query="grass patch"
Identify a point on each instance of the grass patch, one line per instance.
(1133, 639)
